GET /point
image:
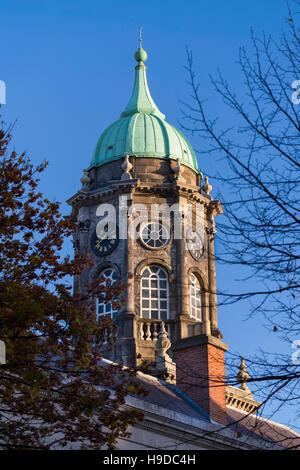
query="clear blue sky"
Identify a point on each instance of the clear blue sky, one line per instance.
(69, 68)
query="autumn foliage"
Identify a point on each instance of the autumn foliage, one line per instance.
(54, 389)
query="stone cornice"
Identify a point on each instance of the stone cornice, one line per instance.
(94, 195)
(134, 185)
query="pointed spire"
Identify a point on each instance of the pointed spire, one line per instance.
(140, 39)
(141, 100)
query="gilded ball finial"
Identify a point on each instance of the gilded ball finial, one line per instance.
(141, 54)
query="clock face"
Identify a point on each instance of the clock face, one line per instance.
(154, 235)
(195, 244)
(102, 245)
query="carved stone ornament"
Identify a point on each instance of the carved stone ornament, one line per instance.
(84, 225)
(85, 180)
(165, 367)
(207, 188)
(163, 343)
(126, 167)
(178, 170)
(243, 376)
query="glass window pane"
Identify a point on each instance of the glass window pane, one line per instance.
(162, 274)
(145, 293)
(154, 314)
(109, 277)
(195, 298)
(154, 286)
(163, 315)
(154, 293)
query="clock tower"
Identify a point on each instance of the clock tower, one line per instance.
(141, 163)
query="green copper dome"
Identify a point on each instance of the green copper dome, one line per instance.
(142, 130)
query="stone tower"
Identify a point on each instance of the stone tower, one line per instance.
(170, 276)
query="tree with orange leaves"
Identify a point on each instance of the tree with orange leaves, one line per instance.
(54, 390)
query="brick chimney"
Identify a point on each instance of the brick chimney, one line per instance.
(200, 373)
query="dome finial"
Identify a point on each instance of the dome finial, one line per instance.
(141, 54)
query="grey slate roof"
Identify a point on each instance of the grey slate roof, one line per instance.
(242, 423)
(168, 396)
(246, 424)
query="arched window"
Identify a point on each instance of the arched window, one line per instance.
(109, 277)
(195, 298)
(154, 293)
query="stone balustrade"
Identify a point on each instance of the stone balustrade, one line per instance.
(149, 329)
